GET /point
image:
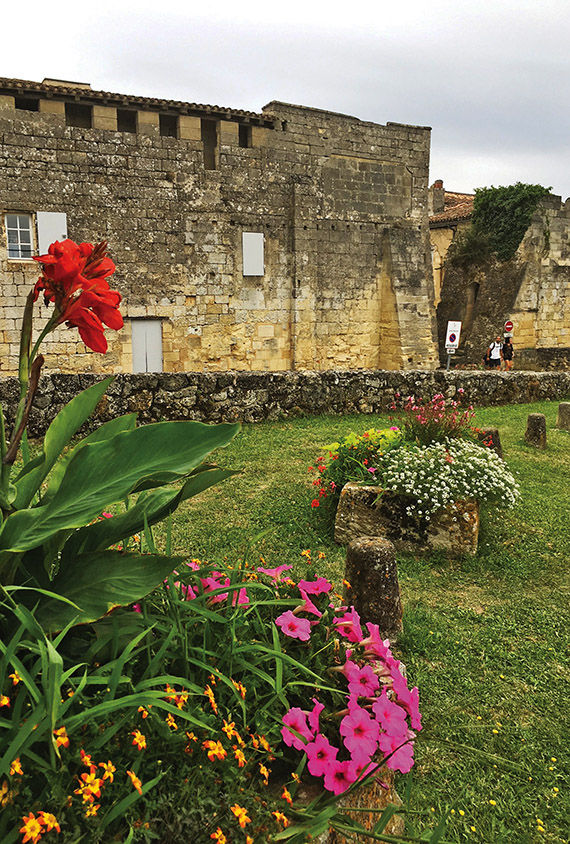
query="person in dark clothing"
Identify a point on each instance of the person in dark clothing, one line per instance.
(508, 353)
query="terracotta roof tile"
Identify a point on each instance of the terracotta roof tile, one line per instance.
(458, 206)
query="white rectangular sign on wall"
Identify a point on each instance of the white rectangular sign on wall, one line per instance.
(452, 336)
(52, 226)
(252, 251)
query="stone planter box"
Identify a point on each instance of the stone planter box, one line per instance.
(368, 511)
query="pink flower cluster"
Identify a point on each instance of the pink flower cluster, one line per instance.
(380, 709)
(216, 580)
(290, 623)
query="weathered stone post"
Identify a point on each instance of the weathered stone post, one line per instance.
(535, 433)
(374, 589)
(563, 417)
(492, 438)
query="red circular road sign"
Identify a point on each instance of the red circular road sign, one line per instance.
(508, 325)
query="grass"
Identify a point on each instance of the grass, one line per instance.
(485, 638)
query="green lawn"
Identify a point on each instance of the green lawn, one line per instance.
(486, 639)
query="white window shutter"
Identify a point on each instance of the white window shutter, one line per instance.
(147, 345)
(253, 257)
(52, 226)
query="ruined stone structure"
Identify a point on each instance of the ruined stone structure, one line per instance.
(290, 239)
(532, 290)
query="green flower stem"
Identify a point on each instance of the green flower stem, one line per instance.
(49, 326)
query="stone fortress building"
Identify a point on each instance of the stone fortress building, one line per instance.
(532, 290)
(290, 239)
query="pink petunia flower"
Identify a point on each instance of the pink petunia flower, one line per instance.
(360, 732)
(313, 715)
(315, 587)
(186, 591)
(408, 698)
(136, 608)
(392, 718)
(339, 776)
(362, 765)
(401, 750)
(210, 584)
(307, 606)
(295, 628)
(348, 625)
(361, 681)
(240, 598)
(297, 719)
(275, 573)
(320, 755)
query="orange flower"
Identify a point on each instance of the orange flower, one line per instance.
(5, 794)
(219, 836)
(135, 781)
(215, 750)
(170, 720)
(181, 699)
(286, 795)
(212, 679)
(15, 678)
(90, 787)
(16, 767)
(239, 756)
(190, 736)
(240, 688)
(86, 758)
(31, 830)
(264, 773)
(143, 711)
(139, 740)
(210, 695)
(61, 737)
(248, 839)
(109, 770)
(4, 700)
(49, 821)
(281, 818)
(92, 810)
(264, 743)
(241, 815)
(170, 693)
(229, 729)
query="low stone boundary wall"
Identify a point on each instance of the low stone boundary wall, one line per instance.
(255, 396)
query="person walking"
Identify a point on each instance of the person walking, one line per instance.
(495, 353)
(508, 353)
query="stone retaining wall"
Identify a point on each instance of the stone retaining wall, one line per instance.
(255, 396)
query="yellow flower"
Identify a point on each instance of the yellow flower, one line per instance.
(86, 758)
(493, 802)
(241, 815)
(264, 743)
(229, 729)
(210, 695)
(264, 772)
(219, 836)
(49, 821)
(5, 794)
(215, 750)
(306, 553)
(170, 693)
(31, 830)
(15, 678)
(170, 720)
(135, 781)
(92, 810)
(347, 584)
(181, 699)
(461, 812)
(212, 679)
(61, 737)
(321, 555)
(139, 740)
(296, 778)
(286, 795)
(109, 769)
(241, 760)
(16, 768)
(240, 688)
(143, 711)
(248, 839)
(4, 700)
(281, 818)
(191, 736)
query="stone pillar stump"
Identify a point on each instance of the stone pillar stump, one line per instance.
(535, 433)
(374, 590)
(563, 418)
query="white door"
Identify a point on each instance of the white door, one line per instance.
(147, 345)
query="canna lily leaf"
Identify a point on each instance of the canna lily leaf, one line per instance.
(67, 422)
(97, 583)
(101, 473)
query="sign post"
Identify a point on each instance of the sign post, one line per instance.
(452, 339)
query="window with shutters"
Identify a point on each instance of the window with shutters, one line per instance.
(253, 247)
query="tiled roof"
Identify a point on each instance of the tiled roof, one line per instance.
(458, 207)
(62, 90)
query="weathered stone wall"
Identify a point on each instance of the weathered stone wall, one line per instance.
(342, 204)
(532, 290)
(255, 396)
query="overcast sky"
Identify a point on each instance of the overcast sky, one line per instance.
(490, 78)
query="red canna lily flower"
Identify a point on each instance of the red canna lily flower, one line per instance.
(74, 281)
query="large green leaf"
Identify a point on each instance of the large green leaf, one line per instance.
(101, 473)
(127, 422)
(155, 505)
(98, 582)
(67, 422)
